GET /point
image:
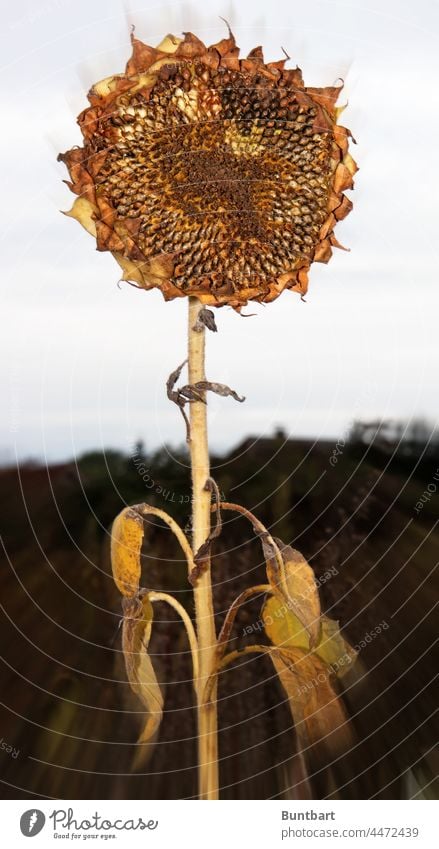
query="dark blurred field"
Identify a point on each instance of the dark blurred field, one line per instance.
(66, 705)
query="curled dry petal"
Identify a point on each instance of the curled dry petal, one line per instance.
(211, 175)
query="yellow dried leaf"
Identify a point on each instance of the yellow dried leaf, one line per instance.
(296, 585)
(282, 627)
(136, 632)
(334, 649)
(126, 544)
(317, 712)
(285, 630)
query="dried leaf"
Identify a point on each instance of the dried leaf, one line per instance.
(136, 632)
(334, 649)
(202, 556)
(175, 395)
(126, 544)
(317, 712)
(285, 630)
(218, 388)
(296, 586)
(282, 627)
(191, 392)
(205, 318)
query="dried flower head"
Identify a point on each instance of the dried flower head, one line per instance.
(209, 175)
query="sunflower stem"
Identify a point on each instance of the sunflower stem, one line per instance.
(201, 519)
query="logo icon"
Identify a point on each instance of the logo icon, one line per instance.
(31, 822)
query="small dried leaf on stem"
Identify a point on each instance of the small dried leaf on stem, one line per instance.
(202, 556)
(217, 388)
(176, 397)
(195, 392)
(205, 318)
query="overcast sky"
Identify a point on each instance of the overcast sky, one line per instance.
(84, 362)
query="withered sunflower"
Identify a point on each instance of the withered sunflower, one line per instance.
(210, 175)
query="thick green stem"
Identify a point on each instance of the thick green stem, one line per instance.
(201, 518)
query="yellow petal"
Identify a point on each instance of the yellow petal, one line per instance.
(350, 164)
(169, 43)
(83, 210)
(106, 86)
(339, 110)
(131, 270)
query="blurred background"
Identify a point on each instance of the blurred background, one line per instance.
(335, 448)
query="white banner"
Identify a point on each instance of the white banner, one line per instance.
(219, 825)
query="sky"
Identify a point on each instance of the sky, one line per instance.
(84, 361)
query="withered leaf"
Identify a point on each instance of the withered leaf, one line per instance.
(318, 714)
(218, 389)
(202, 556)
(206, 318)
(281, 625)
(295, 585)
(334, 649)
(126, 543)
(136, 632)
(285, 630)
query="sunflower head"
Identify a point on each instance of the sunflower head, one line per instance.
(211, 175)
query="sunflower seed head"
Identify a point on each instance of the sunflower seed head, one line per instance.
(209, 175)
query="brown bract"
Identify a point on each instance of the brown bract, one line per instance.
(211, 175)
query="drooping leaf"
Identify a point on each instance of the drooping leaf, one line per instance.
(282, 626)
(334, 649)
(295, 584)
(318, 714)
(126, 544)
(285, 630)
(136, 632)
